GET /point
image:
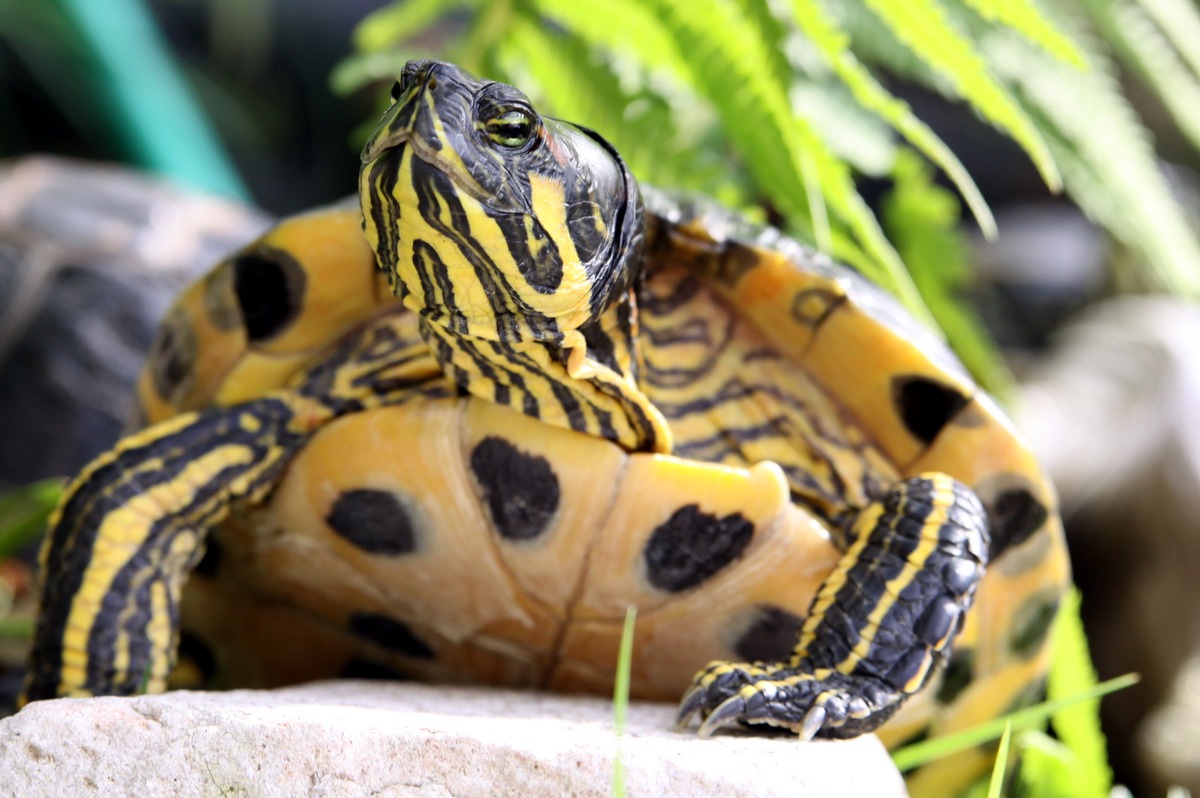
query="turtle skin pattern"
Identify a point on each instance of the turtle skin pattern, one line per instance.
(458, 448)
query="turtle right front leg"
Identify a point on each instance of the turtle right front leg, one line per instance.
(881, 623)
(130, 527)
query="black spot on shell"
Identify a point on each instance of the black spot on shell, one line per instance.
(958, 673)
(1014, 515)
(210, 561)
(691, 546)
(374, 520)
(926, 406)
(1031, 625)
(269, 285)
(195, 651)
(520, 490)
(737, 259)
(173, 354)
(374, 671)
(770, 637)
(389, 633)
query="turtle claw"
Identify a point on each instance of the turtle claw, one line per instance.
(810, 704)
(691, 703)
(814, 719)
(729, 711)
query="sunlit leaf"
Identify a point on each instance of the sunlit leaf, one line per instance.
(834, 44)
(924, 27)
(1078, 725)
(922, 218)
(1146, 49)
(398, 21)
(1025, 17)
(1107, 158)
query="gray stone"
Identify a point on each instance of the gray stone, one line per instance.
(386, 739)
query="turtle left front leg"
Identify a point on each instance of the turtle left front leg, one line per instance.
(880, 622)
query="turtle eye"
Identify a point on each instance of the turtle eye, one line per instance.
(397, 90)
(512, 128)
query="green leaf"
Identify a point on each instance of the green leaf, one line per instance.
(1026, 18)
(1078, 725)
(922, 219)
(1050, 769)
(24, 512)
(924, 27)
(834, 44)
(356, 71)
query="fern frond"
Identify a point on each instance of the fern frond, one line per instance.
(925, 28)
(922, 218)
(1026, 18)
(773, 35)
(1106, 156)
(852, 132)
(788, 159)
(834, 44)
(620, 26)
(1180, 21)
(1144, 47)
(398, 21)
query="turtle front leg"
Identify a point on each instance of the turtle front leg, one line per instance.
(879, 624)
(129, 529)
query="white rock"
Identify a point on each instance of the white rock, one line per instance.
(399, 740)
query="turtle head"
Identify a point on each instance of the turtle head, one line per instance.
(490, 219)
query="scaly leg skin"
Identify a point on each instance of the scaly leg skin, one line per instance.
(879, 624)
(129, 529)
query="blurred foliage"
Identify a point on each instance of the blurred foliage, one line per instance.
(783, 104)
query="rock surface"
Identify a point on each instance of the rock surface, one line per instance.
(393, 740)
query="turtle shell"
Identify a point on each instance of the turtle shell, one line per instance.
(454, 539)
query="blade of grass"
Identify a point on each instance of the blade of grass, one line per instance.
(621, 698)
(996, 785)
(917, 754)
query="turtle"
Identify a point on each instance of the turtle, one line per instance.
(453, 428)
